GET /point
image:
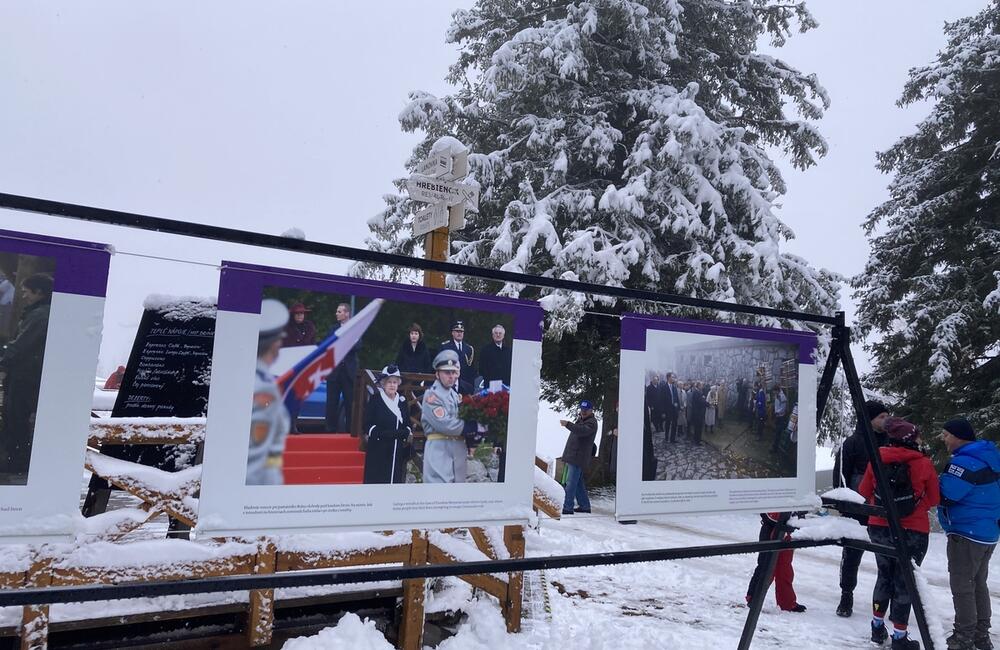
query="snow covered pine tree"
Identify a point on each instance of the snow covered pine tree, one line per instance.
(623, 143)
(931, 287)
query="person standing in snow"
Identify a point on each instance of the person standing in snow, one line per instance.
(576, 456)
(269, 419)
(901, 457)
(848, 470)
(774, 525)
(970, 508)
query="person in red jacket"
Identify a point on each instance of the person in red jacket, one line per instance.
(890, 592)
(773, 525)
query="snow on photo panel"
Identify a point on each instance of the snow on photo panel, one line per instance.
(51, 309)
(714, 417)
(340, 403)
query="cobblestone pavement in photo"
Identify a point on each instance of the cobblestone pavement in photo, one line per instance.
(685, 461)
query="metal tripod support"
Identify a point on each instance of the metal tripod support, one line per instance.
(840, 355)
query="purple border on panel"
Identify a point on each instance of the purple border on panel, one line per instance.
(81, 267)
(241, 285)
(635, 326)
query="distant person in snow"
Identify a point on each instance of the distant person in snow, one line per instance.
(22, 362)
(906, 467)
(300, 330)
(269, 419)
(774, 525)
(848, 470)
(576, 456)
(970, 508)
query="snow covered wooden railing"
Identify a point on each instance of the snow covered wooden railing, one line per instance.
(549, 495)
(146, 431)
(100, 557)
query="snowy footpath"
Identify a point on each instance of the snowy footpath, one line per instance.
(696, 603)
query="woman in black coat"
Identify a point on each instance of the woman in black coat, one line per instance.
(413, 355)
(387, 431)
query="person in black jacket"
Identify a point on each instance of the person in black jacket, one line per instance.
(576, 455)
(22, 363)
(654, 403)
(696, 412)
(340, 382)
(495, 358)
(387, 431)
(413, 355)
(466, 356)
(848, 469)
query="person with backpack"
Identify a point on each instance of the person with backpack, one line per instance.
(970, 497)
(848, 470)
(913, 484)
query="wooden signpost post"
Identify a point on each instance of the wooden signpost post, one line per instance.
(436, 182)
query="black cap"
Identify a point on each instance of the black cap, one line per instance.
(458, 325)
(874, 408)
(960, 428)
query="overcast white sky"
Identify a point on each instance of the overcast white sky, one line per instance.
(268, 115)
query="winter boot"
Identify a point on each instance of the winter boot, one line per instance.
(879, 633)
(983, 641)
(959, 642)
(904, 643)
(846, 606)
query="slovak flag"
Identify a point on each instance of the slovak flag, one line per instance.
(305, 376)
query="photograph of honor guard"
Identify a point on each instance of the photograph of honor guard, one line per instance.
(445, 452)
(466, 356)
(269, 420)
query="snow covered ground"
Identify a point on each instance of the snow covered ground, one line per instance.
(695, 603)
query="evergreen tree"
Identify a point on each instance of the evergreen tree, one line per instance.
(624, 143)
(931, 287)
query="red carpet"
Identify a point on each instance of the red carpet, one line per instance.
(323, 459)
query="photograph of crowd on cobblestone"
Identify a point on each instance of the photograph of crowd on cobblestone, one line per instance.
(409, 393)
(25, 296)
(719, 407)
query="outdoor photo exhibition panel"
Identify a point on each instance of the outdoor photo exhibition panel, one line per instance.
(51, 311)
(714, 418)
(359, 457)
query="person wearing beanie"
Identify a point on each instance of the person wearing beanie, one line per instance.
(848, 469)
(903, 462)
(970, 497)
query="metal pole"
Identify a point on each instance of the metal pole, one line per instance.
(763, 585)
(882, 484)
(829, 372)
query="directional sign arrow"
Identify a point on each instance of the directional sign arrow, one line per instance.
(432, 190)
(430, 218)
(436, 165)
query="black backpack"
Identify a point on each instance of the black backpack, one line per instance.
(901, 488)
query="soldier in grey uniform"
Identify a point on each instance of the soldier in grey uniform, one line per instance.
(445, 452)
(269, 421)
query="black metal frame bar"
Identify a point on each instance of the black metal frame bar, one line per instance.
(52, 595)
(840, 355)
(232, 235)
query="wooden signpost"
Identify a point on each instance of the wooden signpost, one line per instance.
(436, 182)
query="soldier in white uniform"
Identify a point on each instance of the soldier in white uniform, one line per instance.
(269, 421)
(445, 452)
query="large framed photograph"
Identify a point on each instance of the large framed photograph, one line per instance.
(367, 405)
(51, 310)
(714, 417)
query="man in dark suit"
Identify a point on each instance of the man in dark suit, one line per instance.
(340, 383)
(466, 355)
(654, 402)
(671, 407)
(495, 358)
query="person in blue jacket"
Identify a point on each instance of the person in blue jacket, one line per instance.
(970, 508)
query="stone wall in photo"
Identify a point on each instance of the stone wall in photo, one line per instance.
(729, 360)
